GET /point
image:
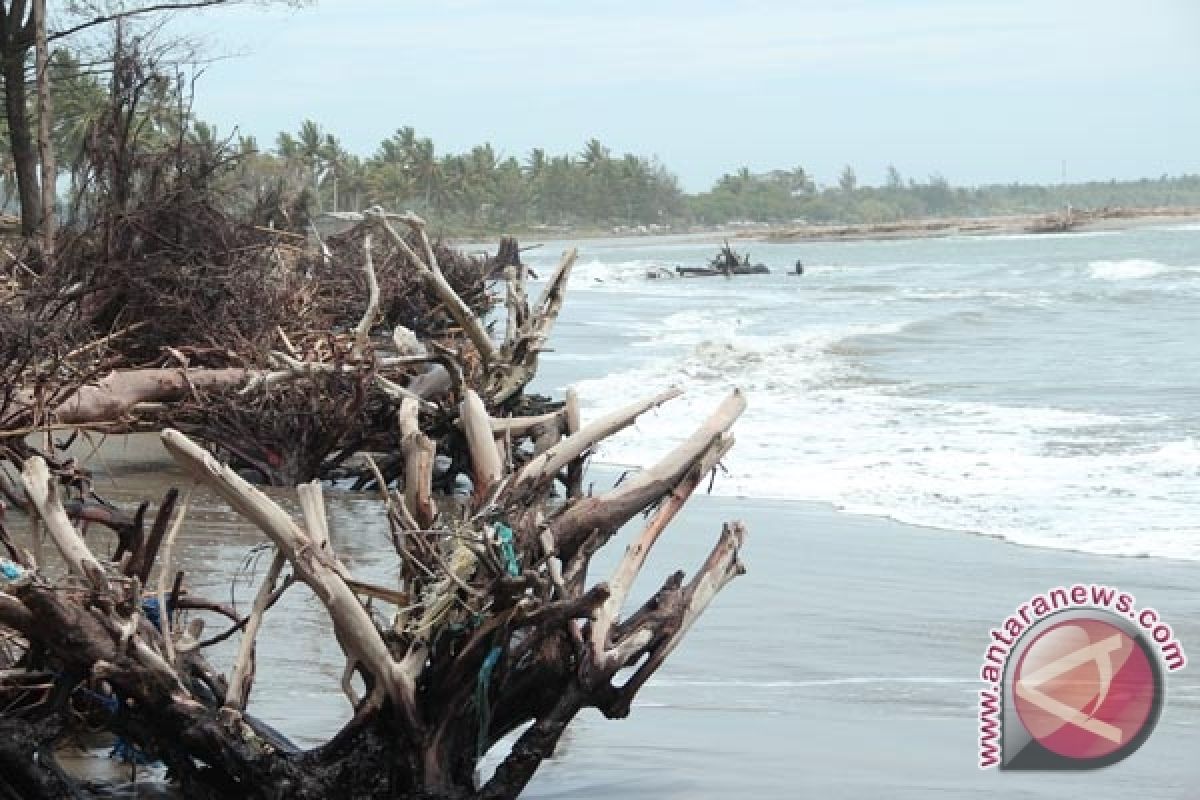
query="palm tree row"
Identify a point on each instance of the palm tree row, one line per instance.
(480, 187)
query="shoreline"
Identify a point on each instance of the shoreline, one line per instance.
(126, 458)
(1076, 221)
(1033, 224)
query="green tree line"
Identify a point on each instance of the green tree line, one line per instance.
(483, 189)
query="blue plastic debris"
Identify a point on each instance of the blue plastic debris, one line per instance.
(505, 534)
(150, 609)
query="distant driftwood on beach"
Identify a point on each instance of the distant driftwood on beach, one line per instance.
(1064, 222)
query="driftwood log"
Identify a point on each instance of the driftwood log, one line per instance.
(494, 629)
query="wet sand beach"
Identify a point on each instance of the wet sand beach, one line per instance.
(843, 664)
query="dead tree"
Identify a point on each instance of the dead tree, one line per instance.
(495, 627)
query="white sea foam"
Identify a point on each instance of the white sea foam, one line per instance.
(1004, 237)
(819, 428)
(1128, 269)
(594, 272)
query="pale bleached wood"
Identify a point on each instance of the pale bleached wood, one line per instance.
(312, 506)
(518, 358)
(610, 511)
(354, 630)
(243, 665)
(43, 493)
(524, 426)
(544, 468)
(516, 304)
(116, 394)
(722, 565)
(362, 332)
(434, 280)
(419, 452)
(165, 576)
(573, 424)
(487, 468)
(634, 559)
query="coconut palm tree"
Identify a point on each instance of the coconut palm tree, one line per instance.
(423, 165)
(334, 159)
(311, 142)
(594, 156)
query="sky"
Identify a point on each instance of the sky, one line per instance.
(979, 91)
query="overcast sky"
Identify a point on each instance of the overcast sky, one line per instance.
(981, 91)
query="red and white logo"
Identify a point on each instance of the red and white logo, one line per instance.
(1084, 689)
(1074, 679)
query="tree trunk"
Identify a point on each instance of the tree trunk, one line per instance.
(45, 124)
(16, 47)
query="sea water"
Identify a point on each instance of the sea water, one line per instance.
(1044, 389)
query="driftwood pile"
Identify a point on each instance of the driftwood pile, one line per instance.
(494, 625)
(726, 262)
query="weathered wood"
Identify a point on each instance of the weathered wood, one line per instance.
(434, 280)
(243, 665)
(486, 467)
(144, 559)
(517, 361)
(635, 554)
(544, 468)
(164, 576)
(489, 628)
(418, 451)
(610, 511)
(573, 424)
(362, 331)
(43, 495)
(116, 394)
(355, 631)
(721, 566)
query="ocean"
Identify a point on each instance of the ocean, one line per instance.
(1044, 389)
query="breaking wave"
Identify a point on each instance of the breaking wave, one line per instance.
(820, 427)
(1129, 269)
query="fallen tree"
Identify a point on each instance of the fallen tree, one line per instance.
(495, 629)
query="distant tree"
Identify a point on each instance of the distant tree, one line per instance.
(311, 151)
(594, 156)
(848, 181)
(19, 20)
(894, 181)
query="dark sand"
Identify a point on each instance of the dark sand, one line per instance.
(845, 664)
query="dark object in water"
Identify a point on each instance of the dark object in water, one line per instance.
(725, 262)
(799, 267)
(699, 272)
